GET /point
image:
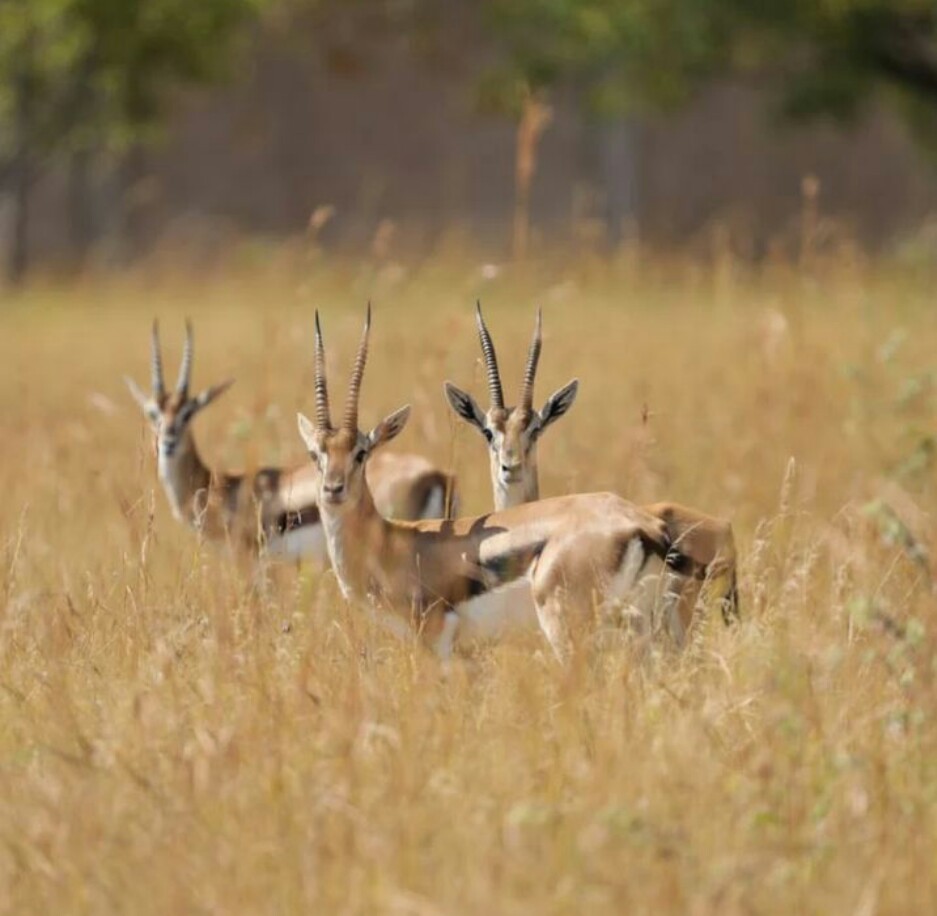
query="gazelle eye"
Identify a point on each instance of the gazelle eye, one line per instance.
(359, 458)
(489, 435)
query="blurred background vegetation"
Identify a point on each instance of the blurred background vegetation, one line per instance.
(125, 122)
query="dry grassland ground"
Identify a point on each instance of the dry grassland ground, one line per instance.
(175, 740)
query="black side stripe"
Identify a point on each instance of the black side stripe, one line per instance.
(675, 559)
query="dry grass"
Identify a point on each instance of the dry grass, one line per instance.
(173, 741)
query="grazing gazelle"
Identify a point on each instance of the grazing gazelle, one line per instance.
(273, 508)
(444, 577)
(706, 543)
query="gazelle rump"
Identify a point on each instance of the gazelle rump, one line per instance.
(274, 508)
(703, 546)
(431, 575)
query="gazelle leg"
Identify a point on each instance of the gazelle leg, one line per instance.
(444, 641)
(554, 622)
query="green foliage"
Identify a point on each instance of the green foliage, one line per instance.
(142, 49)
(40, 42)
(106, 67)
(626, 55)
(825, 56)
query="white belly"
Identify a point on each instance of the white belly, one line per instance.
(647, 604)
(305, 541)
(389, 622)
(504, 610)
(435, 504)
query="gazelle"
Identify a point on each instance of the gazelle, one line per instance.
(706, 543)
(512, 433)
(439, 577)
(275, 508)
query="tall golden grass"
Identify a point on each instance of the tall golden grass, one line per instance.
(176, 738)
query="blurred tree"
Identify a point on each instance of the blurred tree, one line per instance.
(39, 43)
(627, 56)
(82, 78)
(617, 56)
(138, 53)
(826, 56)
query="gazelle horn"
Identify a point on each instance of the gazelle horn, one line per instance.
(185, 369)
(530, 370)
(156, 364)
(350, 421)
(491, 361)
(323, 421)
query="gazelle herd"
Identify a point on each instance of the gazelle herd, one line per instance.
(567, 564)
(274, 509)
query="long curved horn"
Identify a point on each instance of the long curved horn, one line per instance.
(491, 361)
(323, 420)
(156, 364)
(350, 420)
(185, 369)
(530, 370)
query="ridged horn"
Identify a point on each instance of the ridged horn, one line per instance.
(530, 370)
(156, 364)
(323, 421)
(491, 361)
(350, 420)
(185, 369)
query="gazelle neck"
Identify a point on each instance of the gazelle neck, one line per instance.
(185, 479)
(355, 533)
(525, 490)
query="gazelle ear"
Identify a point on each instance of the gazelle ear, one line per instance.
(206, 396)
(389, 428)
(137, 392)
(464, 405)
(557, 404)
(307, 432)
(147, 405)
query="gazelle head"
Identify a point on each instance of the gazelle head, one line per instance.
(171, 413)
(342, 452)
(512, 432)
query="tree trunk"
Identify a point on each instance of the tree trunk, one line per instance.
(132, 203)
(535, 117)
(21, 175)
(80, 206)
(619, 169)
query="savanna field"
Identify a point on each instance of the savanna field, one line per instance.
(181, 734)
